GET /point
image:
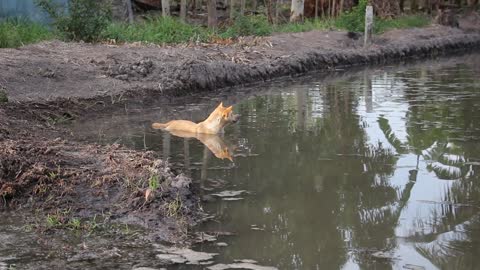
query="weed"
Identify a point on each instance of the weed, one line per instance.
(3, 94)
(173, 208)
(74, 224)
(52, 175)
(153, 182)
(53, 221)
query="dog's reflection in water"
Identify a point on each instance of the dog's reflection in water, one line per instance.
(212, 141)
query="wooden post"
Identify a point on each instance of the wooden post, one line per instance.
(368, 25)
(130, 11)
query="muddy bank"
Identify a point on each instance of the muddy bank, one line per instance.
(63, 180)
(53, 70)
(43, 167)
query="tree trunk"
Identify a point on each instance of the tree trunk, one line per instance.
(333, 8)
(277, 10)
(316, 9)
(402, 5)
(413, 6)
(269, 5)
(183, 10)
(242, 7)
(296, 11)
(198, 4)
(322, 3)
(232, 9)
(212, 13)
(340, 8)
(254, 6)
(130, 11)
(165, 8)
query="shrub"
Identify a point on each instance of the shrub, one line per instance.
(82, 20)
(353, 20)
(15, 32)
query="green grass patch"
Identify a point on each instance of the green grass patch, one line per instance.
(156, 30)
(256, 25)
(16, 32)
(308, 25)
(406, 21)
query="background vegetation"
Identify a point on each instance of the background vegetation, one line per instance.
(91, 21)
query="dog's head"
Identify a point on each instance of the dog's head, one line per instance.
(226, 115)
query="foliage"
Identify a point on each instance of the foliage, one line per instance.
(155, 30)
(353, 20)
(16, 32)
(256, 25)
(83, 20)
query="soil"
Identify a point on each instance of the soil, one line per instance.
(43, 167)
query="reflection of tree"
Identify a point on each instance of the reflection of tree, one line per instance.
(455, 249)
(438, 114)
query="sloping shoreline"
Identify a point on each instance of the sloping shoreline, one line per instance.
(54, 81)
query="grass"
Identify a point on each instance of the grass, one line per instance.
(3, 96)
(406, 21)
(16, 32)
(157, 30)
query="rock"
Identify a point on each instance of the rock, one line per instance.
(240, 265)
(185, 255)
(229, 193)
(171, 258)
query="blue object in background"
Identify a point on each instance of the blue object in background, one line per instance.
(25, 9)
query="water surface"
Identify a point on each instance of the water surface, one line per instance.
(372, 170)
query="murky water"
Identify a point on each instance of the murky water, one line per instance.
(372, 170)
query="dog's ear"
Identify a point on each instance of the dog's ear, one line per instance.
(220, 105)
(227, 111)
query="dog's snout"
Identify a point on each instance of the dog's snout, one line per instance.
(235, 118)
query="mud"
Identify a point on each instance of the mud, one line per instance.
(42, 166)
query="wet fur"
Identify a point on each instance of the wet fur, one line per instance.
(214, 124)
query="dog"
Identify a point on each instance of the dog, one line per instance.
(214, 124)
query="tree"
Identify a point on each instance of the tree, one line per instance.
(296, 11)
(212, 13)
(183, 9)
(165, 8)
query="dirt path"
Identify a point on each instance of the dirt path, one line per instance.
(52, 82)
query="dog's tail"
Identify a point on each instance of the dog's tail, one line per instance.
(159, 125)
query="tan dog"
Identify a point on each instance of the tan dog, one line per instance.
(214, 124)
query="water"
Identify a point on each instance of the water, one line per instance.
(377, 169)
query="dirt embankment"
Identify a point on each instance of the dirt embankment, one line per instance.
(52, 82)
